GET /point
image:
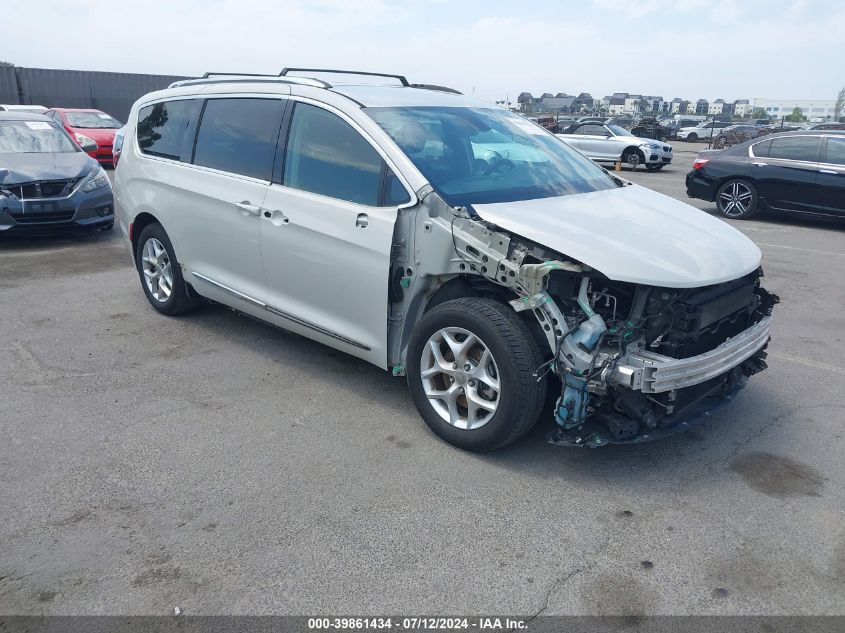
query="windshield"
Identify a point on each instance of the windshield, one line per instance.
(33, 137)
(92, 120)
(480, 155)
(618, 130)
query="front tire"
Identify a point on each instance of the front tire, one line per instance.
(692, 138)
(632, 158)
(737, 199)
(471, 367)
(161, 274)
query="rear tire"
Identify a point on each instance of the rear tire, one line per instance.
(490, 339)
(737, 199)
(161, 273)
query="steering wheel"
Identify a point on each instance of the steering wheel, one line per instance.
(503, 165)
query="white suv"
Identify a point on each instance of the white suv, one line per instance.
(446, 239)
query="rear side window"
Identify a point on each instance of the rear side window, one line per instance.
(326, 155)
(796, 148)
(592, 130)
(163, 129)
(835, 154)
(239, 136)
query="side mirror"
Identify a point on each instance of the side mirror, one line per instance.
(88, 146)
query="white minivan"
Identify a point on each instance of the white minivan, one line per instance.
(445, 239)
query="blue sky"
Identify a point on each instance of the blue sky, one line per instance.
(685, 48)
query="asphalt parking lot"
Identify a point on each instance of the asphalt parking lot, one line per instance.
(216, 464)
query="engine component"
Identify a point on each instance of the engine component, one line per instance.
(578, 354)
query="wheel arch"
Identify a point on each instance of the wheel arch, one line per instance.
(636, 149)
(141, 221)
(476, 286)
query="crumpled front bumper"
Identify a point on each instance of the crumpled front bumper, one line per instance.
(654, 373)
(707, 380)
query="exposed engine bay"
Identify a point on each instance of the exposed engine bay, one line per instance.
(638, 360)
(635, 362)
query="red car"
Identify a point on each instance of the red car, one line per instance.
(91, 124)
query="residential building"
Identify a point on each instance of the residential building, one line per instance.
(702, 106)
(554, 104)
(679, 106)
(742, 107)
(716, 107)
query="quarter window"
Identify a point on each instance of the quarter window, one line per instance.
(835, 154)
(163, 128)
(804, 148)
(239, 136)
(325, 155)
(394, 191)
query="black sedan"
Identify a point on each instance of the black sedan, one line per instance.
(47, 181)
(800, 171)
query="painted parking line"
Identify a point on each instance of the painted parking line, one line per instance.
(803, 250)
(809, 362)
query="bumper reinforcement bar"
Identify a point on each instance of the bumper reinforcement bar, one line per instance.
(654, 373)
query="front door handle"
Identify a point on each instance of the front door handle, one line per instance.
(760, 164)
(828, 171)
(363, 221)
(248, 209)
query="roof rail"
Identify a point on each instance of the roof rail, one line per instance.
(285, 72)
(213, 78)
(207, 75)
(438, 88)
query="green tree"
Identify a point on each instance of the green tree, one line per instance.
(759, 113)
(796, 117)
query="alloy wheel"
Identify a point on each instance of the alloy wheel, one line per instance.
(158, 274)
(460, 378)
(735, 200)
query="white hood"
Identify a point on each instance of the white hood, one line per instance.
(632, 234)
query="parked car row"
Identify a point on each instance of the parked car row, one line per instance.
(85, 125)
(48, 179)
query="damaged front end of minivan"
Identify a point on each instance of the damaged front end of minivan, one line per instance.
(635, 361)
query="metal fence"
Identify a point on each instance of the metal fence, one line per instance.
(110, 92)
(8, 85)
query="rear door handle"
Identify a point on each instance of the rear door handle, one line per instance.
(246, 208)
(276, 217)
(363, 221)
(828, 171)
(760, 164)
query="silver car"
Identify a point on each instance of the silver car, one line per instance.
(447, 240)
(612, 143)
